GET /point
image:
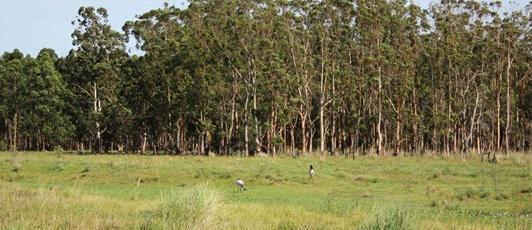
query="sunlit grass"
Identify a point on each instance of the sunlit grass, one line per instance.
(62, 191)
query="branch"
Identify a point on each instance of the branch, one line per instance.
(391, 103)
(83, 90)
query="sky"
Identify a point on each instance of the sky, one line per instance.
(30, 25)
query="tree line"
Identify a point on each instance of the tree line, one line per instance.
(243, 77)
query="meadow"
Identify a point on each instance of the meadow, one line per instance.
(69, 191)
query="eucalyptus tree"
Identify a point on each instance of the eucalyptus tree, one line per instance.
(301, 64)
(451, 38)
(158, 33)
(216, 60)
(331, 22)
(403, 44)
(45, 123)
(13, 76)
(270, 106)
(473, 72)
(523, 83)
(250, 76)
(321, 23)
(371, 29)
(92, 68)
(514, 42)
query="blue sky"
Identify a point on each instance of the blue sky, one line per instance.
(31, 25)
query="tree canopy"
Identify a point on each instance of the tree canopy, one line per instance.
(243, 77)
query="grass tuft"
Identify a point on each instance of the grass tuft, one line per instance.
(85, 170)
(16, 164)
(502, 196)
(194, 208)
(389, 219)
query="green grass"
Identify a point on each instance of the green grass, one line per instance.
(62, 191)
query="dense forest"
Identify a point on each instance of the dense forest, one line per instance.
(243, 77)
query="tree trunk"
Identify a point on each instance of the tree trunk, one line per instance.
(333, 119)
(379, 120)
(498, 129)
(322, 101)
(144, 142)
(234, 115)
(15, 133)
(397, 135)
(246, 124)
(469, 138)
(97, 109)
(304, 132)
(258, 135)
(293, 139)
(508, 101)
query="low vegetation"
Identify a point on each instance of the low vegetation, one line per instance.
(68, 191)
(393, 219)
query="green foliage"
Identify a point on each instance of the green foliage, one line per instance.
(34, 96)
(278, 76)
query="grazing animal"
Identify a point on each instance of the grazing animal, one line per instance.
(311, 172)
(240, 184)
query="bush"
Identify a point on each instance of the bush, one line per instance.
(392, 219)
(195, 208)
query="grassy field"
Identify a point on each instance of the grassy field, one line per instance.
(63, 191)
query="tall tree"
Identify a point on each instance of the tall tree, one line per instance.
(92, 67)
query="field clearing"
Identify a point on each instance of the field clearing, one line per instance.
(67, 191)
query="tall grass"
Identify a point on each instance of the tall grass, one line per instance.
(22, 208)
(194, 208)
(15, 160)
(389, 219)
